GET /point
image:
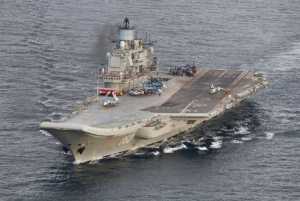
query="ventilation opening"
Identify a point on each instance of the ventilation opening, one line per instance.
(81, 150)
(190, 121)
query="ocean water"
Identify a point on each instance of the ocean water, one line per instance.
(49, 52)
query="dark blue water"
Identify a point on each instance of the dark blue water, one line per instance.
(49, 52)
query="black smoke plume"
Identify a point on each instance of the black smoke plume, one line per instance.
(106, 38)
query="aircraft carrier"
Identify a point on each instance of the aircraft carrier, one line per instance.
(128, 113)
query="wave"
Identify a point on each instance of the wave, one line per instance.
(216, 144)
(169, 150)
(269, 135)
(45, 133)
(202, 148)
(54, 116)
(242, 130)
(144, 153)
(155, 153)
(45, 102)
(246, 138)
(236, 141)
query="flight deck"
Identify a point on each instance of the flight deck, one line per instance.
(194, 96)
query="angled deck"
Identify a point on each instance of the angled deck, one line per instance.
(194, 96)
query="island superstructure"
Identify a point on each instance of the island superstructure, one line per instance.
(138, 106)
(130, 60)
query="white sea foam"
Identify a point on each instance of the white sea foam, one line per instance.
(216, 145)
(155, 153)
(246, 138)
(45, 133)
(242, 130)
(68, 153)
(269, 135)
(237, 142)
(169, 150)
(217, 138)
(202, 148)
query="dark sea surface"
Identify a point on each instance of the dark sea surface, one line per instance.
(49, 52)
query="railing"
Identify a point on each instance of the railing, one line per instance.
(117, 76)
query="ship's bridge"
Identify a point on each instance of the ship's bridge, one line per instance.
(129, 60)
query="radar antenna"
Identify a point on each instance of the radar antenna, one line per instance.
(125, 24)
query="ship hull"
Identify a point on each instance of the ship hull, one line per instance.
(96, 132)
(87, 147)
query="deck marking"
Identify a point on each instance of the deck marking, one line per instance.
(239, 78)
(186, 107)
